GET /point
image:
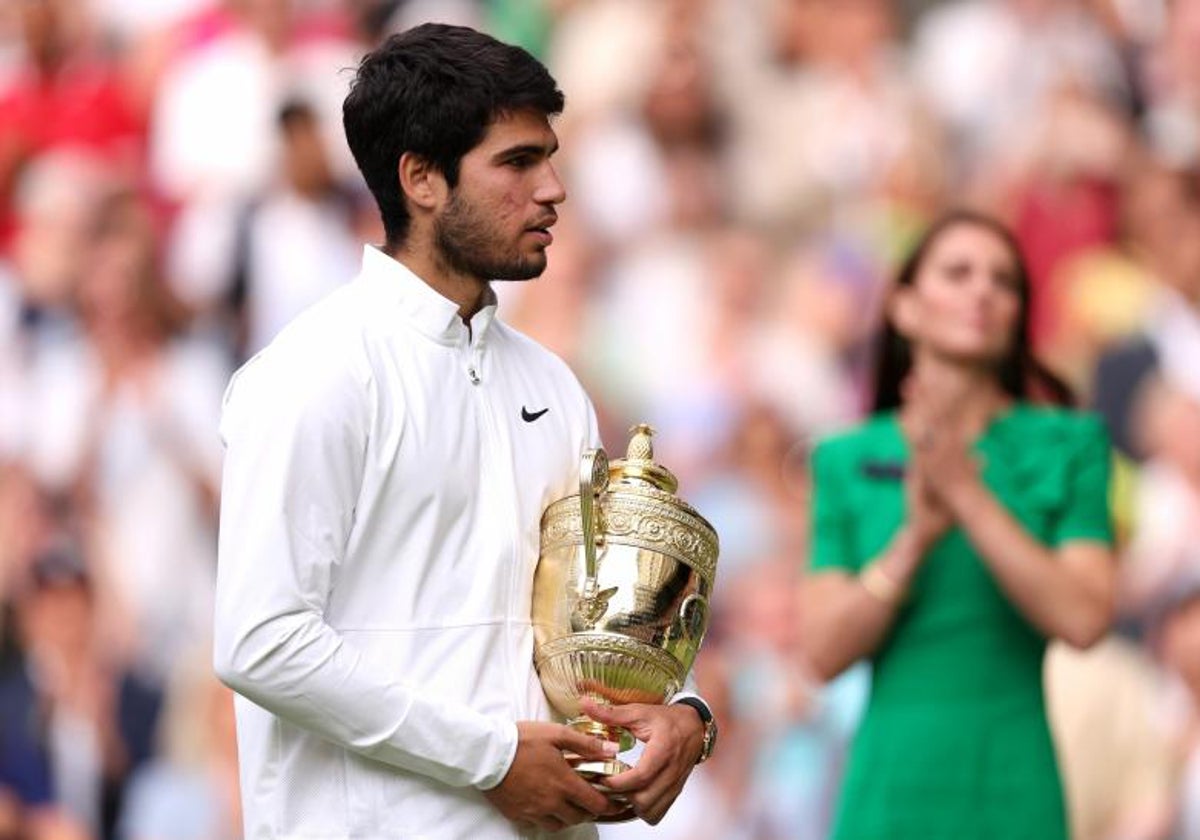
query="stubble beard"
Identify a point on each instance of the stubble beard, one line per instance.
(469, 246)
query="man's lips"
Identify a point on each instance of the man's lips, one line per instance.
(541, 229)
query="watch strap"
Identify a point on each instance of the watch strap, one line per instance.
(707, 719)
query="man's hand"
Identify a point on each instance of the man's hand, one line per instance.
(674, 738)
(541, 789)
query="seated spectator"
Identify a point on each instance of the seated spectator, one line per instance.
(72, 726)
(1178, 643)
(190, 790)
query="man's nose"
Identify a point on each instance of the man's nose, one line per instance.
(550, 190)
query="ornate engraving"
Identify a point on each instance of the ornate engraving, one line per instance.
(590, 608)
(642, 520)
(575, 644)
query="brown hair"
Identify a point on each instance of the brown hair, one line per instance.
(1020, 374)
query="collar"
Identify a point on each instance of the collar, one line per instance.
(430, 313)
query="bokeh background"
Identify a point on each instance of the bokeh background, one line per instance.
(743, 176)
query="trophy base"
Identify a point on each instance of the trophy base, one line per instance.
(593, 772)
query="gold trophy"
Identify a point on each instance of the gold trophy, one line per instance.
(621, 592)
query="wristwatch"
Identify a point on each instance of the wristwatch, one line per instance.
(710, 726)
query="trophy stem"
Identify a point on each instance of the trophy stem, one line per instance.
(593, 771)
(619, 735)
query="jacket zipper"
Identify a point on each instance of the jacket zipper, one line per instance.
(491, 452)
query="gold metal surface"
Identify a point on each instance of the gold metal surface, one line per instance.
(621, 592)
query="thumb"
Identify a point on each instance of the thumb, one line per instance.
(584, 746)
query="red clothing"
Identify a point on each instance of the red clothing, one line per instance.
(82, 106)
(1055, 222)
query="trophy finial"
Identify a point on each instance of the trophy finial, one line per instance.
(641, 446)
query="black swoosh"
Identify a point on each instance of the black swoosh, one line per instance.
(529, 416)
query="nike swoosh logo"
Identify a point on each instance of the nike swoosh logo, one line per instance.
(529, 416)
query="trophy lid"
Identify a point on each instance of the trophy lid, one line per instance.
(639, 467)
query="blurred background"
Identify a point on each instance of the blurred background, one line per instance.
(744, 176)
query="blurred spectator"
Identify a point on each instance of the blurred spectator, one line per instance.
(602, 52)
(28, 524)
(1168, 342)
(73, 724)
(1166, 542)
(214, 129)
(1117, 756)
(127, 22)
(1173, 86)
(753, 488)
(685, 304)
(990, 67)
(215, 144)
(190, 790)
(57, 205)
(654, 166)
(296, 243)
(799, 729)
(815, 321)
(1064, 194)
(822, 113)
(124, 420)
(1178, 644)
(65, 95)
(1108, 292)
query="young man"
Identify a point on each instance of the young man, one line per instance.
(389, 458)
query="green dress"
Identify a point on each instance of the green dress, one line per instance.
(955, 743)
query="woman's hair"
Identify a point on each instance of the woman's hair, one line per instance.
(1020, 374)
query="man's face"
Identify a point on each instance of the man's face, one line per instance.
(496, 223)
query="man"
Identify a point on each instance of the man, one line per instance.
(389, 458)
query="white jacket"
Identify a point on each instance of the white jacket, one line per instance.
(381, 501)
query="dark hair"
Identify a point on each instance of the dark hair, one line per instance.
(1020, 374)
(60, 565)
(294, 113)
(433, 91)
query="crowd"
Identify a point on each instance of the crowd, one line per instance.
(743, 178)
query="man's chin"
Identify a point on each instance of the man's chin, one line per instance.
(525, 271)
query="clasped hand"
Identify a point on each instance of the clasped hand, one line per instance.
(942, 470)
(673, 737)
(541, 789)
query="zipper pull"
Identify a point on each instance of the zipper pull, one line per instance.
(474, 374)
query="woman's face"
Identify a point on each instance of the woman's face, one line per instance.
(965, 300)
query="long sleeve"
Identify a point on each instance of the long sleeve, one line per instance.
(297, 442)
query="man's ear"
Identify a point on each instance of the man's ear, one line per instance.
(421, 182)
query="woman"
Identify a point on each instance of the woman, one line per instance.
(954, 532)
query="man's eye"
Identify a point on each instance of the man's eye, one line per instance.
(522, 162)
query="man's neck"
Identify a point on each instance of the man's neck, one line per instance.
(467, 291)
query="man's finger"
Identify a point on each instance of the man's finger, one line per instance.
(618, 715)
(572, 813)
(589, 800)
(651, 805)
(633, 779)
(585, 746)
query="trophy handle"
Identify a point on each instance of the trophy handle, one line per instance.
(593, 480)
